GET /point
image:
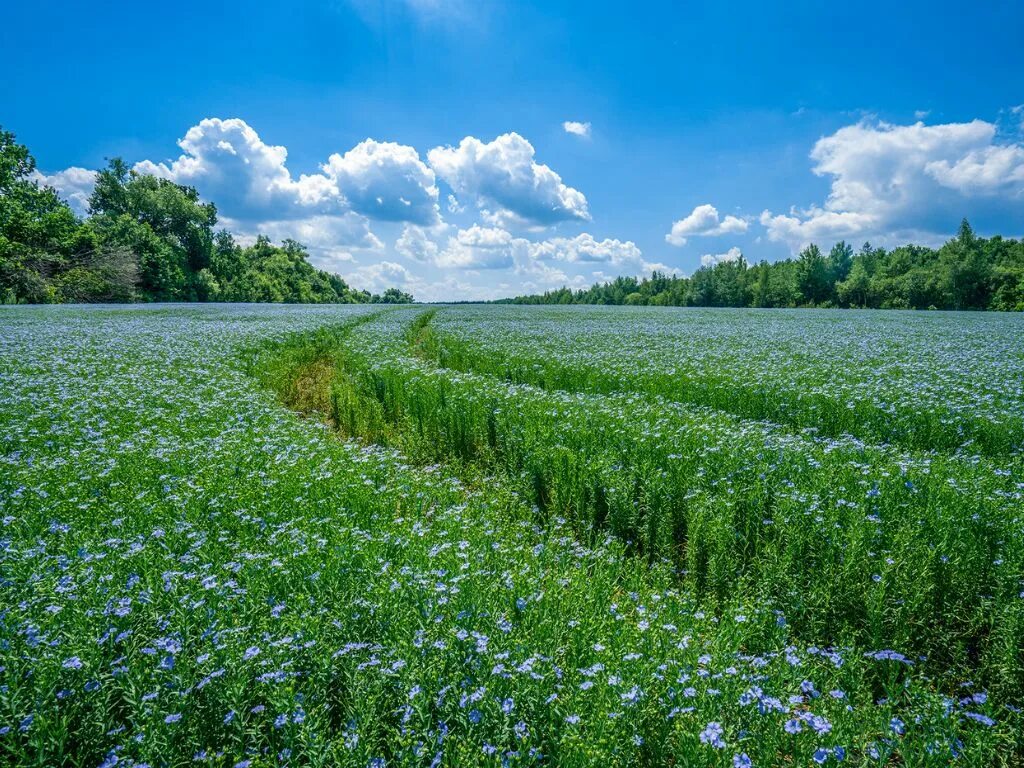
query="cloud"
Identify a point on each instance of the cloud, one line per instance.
(576, 128)
(454, 206)
(248, 180)
(914, 182)
(73, 184)
(1018, 112)
(815, 224)
(538, 276)
(331, 210)
(503, 175)
(481, 248)
(347, 230)
(386, 181)
(711, 259)
(704, 221)
(379, 276)
(585, 249)
(415, 244)
(987, 170)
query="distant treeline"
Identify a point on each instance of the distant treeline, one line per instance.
(968, 272)
(146, 239)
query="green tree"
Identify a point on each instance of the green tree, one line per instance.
(853, 291)
(164, 223)
(40, 236)
(393, 296)
(812, 276)
(966, 274)
(839, 262)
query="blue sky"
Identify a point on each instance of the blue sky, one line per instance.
(424, 142)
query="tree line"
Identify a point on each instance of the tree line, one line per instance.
(967, 272)
(145, 239)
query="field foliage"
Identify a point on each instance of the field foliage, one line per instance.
(253, 536)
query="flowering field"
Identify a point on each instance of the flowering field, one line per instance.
(258, 535)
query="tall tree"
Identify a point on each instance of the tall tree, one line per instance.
(40, 236)
(966, 272)
(163, 222)
(812, 275)
(839, 262)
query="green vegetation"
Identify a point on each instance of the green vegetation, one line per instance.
(968, 272)
(509, 536)
(147, 239)
(734, 518)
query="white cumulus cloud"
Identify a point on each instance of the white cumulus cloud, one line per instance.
(892, 182)
(248, 180)
(481, 248)
(379, 276)
(387, 181)
(416, 244)
(704, 221)
(585, 248)
(504, 176)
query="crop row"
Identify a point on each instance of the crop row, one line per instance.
(951, 383)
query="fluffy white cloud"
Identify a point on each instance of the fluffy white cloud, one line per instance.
(892, 182)
(457, 288)
(704, 220)
(711, 259)
(503, 175)
(379, 276)
(248, 180)
(538, 277)
(991, 169)
(387, 181)
(816, 224)
(577, 128)
(454, 206)
(584, 248)
(73, 184)
(415, 243)
(332, 241)
(481, 248)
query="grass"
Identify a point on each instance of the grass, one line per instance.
(446, 567)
